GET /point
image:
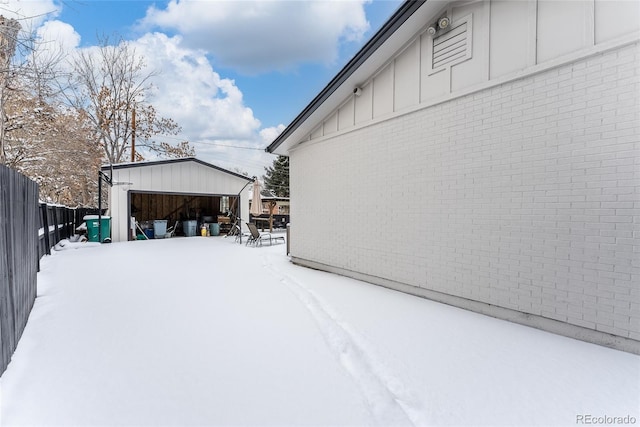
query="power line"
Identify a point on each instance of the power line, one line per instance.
(213, 143)
(228, 146)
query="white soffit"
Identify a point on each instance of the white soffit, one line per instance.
(417, 22)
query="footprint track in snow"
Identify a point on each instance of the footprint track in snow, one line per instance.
(389, 401)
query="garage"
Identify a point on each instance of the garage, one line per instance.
(208, 209)
(179, 191)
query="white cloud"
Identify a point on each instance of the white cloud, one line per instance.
(196, 95)
(270, 134)
(30, 13)
(256, 36)
(210, 109)
(60, 33)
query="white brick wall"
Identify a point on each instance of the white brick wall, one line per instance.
(525, 196)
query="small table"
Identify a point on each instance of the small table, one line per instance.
(262, 220)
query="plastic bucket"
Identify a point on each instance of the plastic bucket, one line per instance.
(214, 229)
(160, 228)
(189, 228)
(149, 232)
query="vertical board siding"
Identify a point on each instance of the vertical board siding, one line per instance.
(489, 41)
(19, 257)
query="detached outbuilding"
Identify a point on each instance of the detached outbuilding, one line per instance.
(504, 136)
(173, 190)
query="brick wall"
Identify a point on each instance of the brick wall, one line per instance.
(524, 195)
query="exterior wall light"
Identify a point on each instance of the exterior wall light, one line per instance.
(443, 22)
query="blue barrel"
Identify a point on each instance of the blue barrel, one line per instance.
(214, 229)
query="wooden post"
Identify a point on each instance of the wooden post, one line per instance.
(45, 226)
(272, 206)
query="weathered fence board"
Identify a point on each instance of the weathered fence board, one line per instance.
(19, 257)
(28, 231)
(57, 223)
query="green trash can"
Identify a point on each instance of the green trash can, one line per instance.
(92, 228)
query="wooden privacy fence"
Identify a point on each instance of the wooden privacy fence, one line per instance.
(28, 231)
(19, 257)
(57, 223)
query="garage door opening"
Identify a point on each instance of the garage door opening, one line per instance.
(175, 208)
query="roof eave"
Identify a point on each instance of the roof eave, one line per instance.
(171, 161)
(404, 12)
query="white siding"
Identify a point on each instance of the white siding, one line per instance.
(383, 92)
(624, 13)
(178, 177)
(331, 124)
(407, 77)
(346, 115)
(364, 105)
(512, 36)
(563, 27)
(433, 86)
(317, 132)
(475, 70)
(524, 195)
(507, 38)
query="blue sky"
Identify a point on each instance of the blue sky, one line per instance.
(232, 74)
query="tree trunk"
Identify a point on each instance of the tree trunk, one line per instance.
(272, 206)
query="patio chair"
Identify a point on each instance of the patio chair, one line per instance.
(256, 237)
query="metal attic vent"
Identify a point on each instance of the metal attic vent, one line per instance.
(450, 47)
(453, 46)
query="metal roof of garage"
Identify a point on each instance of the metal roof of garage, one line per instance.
(171, 161)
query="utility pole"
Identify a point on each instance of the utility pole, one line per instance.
(133, 136)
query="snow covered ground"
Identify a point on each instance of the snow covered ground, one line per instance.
(203, 331)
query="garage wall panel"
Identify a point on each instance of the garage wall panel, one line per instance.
(146, 177)
(165, 176)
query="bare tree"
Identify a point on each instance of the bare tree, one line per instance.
(29, 74)
(8, 39)
(61, 144)
(53, 146)
(39, 137)
(110, 85)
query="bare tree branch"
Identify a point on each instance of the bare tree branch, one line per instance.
(110, 83)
